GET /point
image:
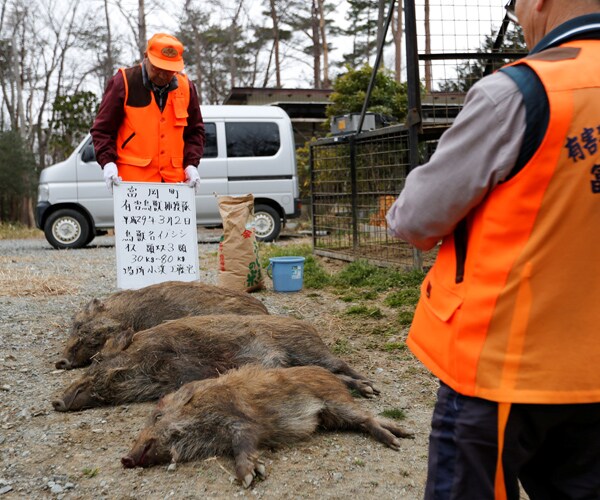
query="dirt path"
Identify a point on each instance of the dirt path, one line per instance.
(46, 454)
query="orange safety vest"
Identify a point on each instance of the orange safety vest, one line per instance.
(150, 143)
(523, 326)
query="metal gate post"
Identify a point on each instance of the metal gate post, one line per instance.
(354, 192)
(414, 98)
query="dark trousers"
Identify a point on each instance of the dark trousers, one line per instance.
(554, 450)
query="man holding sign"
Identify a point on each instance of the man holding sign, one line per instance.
(149, 127)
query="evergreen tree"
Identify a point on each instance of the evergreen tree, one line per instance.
(362, 15)
(350, 89)
(18, 177)
(73, 117)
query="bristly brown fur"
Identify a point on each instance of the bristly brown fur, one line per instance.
(250, 408)
(141, 309)
(163, 358)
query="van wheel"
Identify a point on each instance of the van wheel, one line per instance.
(267, 222)
(67, 228)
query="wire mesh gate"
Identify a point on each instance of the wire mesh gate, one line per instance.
(356, 177)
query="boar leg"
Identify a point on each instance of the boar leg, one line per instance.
(245, 452)
(343, 371)
(345, 415)
(363, 387)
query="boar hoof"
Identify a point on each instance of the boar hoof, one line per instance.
(247, 481)
(128, 462)
(63, 364)
(394, 444)
(59, 405)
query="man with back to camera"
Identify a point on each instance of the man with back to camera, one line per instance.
(509, 315)
(149, 127)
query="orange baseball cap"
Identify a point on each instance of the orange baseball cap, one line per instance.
(165, 52)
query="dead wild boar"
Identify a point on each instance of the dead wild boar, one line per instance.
(147, 307)
(157, 361)
(249, 408)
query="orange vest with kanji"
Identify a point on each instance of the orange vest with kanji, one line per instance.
(523, 325)
(150, 143)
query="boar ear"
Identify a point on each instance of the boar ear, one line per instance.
(94, 306)
(185, 394)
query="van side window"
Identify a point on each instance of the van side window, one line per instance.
(252, 139)
(210, 141)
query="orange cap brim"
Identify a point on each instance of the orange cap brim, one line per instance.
(165, 64)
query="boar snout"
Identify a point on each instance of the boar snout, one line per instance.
(63, 364)
(77, 397)
(128, 462)
(59, 405)
(146, 454)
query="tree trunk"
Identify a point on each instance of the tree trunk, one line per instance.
(316, 44)
(324, 48)
(232, 39)
(397, 32)
(266, 79)
(380, 25)
(142, 40)
(276, 43)
(109, 62)
(19, 119)
(427, 46)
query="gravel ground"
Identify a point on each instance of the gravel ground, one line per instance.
(46, 454)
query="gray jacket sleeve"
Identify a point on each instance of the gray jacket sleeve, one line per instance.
(472, 157)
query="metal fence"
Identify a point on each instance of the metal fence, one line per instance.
(356, 177)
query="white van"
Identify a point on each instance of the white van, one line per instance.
(249, 149)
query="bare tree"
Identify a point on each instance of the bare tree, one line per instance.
(316, 36)
(274, 14)
(110, 60)
(136, 21)
(141, 28)
(324, 46)
(380, 21)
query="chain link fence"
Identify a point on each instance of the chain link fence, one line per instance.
(356, 177)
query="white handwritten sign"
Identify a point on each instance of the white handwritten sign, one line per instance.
(155, 233)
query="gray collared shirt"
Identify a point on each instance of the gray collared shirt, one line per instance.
(472, 157)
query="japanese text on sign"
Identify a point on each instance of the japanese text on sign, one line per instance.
(155, 233)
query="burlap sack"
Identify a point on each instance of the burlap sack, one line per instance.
(239, 266)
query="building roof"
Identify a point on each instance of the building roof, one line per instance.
(249, 95)
(302, 105)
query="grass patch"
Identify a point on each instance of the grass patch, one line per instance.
(358, 295)
(394, 413)
(362, 274)
(362, 310)
(384, 331)
(359, 280)
(395, 346)
(24, 283)
(90, 472)
(405, 318)
(341, 346)
(15, 231)
(404, 297)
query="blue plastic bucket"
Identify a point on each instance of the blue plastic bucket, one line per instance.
(287, 273)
